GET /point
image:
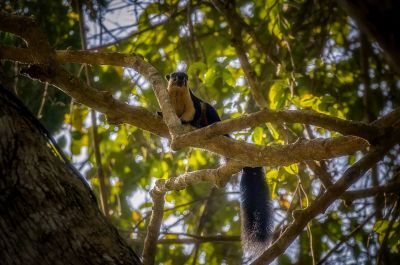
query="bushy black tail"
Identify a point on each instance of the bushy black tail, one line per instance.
(256, 211)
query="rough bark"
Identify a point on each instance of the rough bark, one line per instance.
(47, 215)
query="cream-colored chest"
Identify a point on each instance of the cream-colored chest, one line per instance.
(182, 103)
(178, 99)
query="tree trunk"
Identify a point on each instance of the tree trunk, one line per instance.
(47, 215)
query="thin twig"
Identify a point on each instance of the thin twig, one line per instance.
(352, 195)
(39, 113)
(96, 141)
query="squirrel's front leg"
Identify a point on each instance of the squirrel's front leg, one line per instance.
(188, 115)
(189, 110)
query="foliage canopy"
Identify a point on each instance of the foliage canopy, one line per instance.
(303, 54)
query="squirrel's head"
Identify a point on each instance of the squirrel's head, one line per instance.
(177, 79)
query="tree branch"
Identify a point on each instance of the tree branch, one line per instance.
(218, 176)
(278, 155)
(352, 195)
(153, 229)
(345, 127)
(321, 172)
(320, 205)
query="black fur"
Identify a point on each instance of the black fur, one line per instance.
(256, 210)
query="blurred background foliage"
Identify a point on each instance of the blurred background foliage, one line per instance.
(314, 57)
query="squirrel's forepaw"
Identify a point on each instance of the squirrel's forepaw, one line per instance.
(185, 121)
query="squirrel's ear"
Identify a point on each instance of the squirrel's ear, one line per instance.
(167, 77)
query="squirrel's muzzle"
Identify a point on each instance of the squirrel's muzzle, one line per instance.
(179, 82)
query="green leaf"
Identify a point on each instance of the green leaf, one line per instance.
(258, 135)
(381, 226)
(292, 169)
(273, 131)
(277, 94)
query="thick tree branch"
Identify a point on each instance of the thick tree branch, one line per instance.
(388, 120)
(345, 127)
(102, 101)
(277, 155)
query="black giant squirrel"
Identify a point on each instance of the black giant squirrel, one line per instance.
(256, 211)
